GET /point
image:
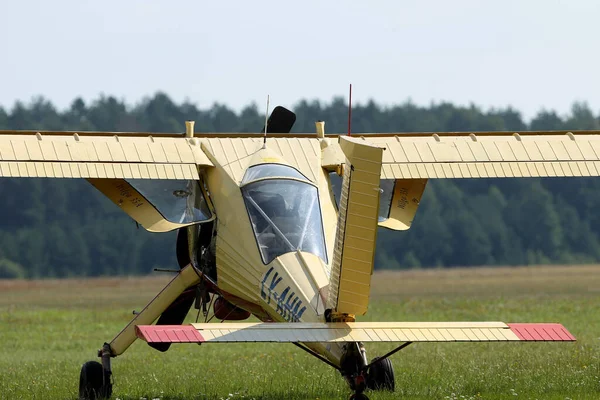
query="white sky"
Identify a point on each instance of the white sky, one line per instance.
(528, 54)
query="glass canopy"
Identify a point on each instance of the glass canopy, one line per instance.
(285, 214)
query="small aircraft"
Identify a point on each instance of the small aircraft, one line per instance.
(261, 230)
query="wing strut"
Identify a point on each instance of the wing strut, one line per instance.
(388, 354)
(320, 357)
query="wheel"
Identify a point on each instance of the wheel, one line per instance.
(91, 382)
(359, 396)
(381, 375)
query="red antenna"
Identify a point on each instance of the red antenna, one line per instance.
(350, 112)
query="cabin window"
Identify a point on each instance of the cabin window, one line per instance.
(286, 216)
(178, 201)
(336, 187)
(385, 198)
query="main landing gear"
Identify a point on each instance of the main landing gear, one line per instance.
(379, 376)
(360, 375)
(95, 379)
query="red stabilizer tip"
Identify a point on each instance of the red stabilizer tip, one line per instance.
(541, 332)
(168, 334)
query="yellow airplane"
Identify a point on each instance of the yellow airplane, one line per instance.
(261, 232)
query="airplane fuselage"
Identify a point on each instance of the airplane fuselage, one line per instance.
(273, 240)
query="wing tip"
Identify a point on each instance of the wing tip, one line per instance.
(541, 332)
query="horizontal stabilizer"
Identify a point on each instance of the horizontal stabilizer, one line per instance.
(353, 332)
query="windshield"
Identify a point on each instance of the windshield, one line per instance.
(269, 171)
(285, 217)
(178, 201)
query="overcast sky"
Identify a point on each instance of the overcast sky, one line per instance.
(528, 54)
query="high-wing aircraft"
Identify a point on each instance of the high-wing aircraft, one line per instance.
(261, 232)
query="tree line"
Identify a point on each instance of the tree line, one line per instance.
(59, 228)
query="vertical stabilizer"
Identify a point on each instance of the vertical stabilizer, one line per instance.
(354, 252)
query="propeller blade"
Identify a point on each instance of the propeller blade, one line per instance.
(281, 120)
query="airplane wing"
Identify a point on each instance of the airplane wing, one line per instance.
(409, 160)
(99, 155)
(353, 332)
(406, 161)
(489, 155)
(131, 169)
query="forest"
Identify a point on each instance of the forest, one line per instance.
(63, 228)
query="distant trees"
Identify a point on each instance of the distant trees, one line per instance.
(55, 228)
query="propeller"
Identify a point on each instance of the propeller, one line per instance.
(281, 120)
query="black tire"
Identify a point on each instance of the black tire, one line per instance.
(381, 375)
(359, 396)
(91, 382)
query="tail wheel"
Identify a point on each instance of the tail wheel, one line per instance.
(381, 375)
(91, 382)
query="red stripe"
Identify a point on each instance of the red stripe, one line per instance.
(169, 334)
(567, 333)
(525, 333)
(181, 336)
(533, 330)
(539, 332)
(518, 333)
(163, 336)
(550, 332)
(154, 336)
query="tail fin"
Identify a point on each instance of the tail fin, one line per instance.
(354, 252)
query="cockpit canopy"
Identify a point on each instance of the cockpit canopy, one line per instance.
(284, 211)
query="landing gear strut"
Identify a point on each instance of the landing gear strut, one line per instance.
(353, 366)
(360, 375)
(95, 378)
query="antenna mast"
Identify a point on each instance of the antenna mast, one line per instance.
(350, 112)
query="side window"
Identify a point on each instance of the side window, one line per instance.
(385, 198)
(336, 187)
(178, 201)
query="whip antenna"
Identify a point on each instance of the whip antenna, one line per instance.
(350, 111)
(266, 123)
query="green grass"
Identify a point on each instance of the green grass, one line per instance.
(49, 328)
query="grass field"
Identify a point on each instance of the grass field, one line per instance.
(49, 328)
